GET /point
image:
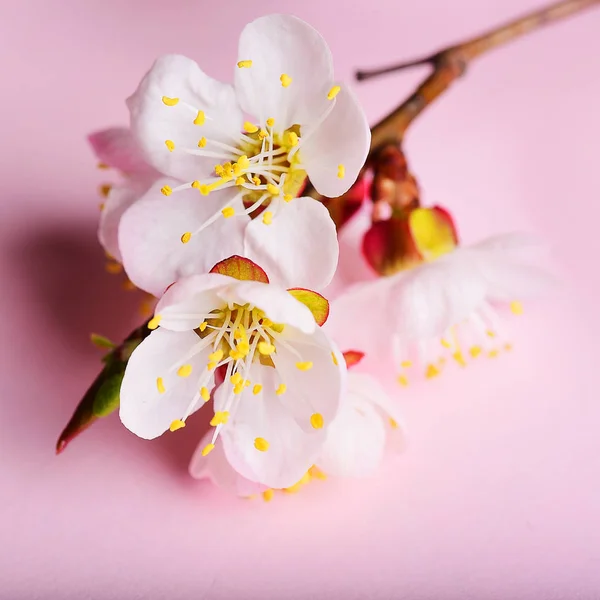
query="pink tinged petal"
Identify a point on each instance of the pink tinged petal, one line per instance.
(313, 390)
(343, 139)
(117, 148)
(290, 452)
(287, 248)
(119, 199)
(215, 467)
(148, 407)
(278, 45)
(153, 122)
(151, 230)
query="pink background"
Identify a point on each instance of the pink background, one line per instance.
(498, 495)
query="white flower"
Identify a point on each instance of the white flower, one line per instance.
(354, 446)
(223, 168)
(116, 148)
(282, 379)
(445, 309)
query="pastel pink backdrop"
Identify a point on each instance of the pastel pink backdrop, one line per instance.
(498, 495)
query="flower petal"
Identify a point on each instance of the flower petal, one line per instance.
(151, 230)
(117, 148)
(216, 467)
(313, 380)
(146, 411)
(278, 45)
(342, 140)
(289, 453)
(286, 248)
(153, 122)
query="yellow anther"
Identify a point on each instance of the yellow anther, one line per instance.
(475, 351)
(204, 189)
(268, 495)
(195, 185)
(216, 356)
(170, 144)
(167, 190)
(516, 308)
(281, 389)
(247, 383)
(170, 101)
(186, 237)
(292, 489)
(403, 380)
(406, 364)
(333, 92)
(459, 358)
(431, 371)
(236, 378)
(101, 206)
(256, 180)
(445, 343)
(240, 181)
(285, 80)
(493, 353)
(291, 138)
(238, 388)
(257, 389)
(220, 418)
(393, 423)
(219, 170)
(154, 322)
(207, 449)
(490, 333)
(272, 189)
(235, 354)
(288, 197)
(508, 347)
(160, 385)
(262, 134)
(267, 217)
(316, 473)
(304, 366)
(177, 424)
(250, 127)
(228, 211)
(204, 394)
(202, 142)
(244, 64)
(200, 118)
(114, 268)
(184, 370)
(316, 420)
(211, 365)
(243, 161)
(105, 189)
(102, 165)
(341, 171)
(334, 359)
(261, 444)
(265, 348)
(270, 122)
(203, 326)
(243, 347)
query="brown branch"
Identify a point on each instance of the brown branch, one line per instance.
(450, 63)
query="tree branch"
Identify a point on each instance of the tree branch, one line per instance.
(450, 63)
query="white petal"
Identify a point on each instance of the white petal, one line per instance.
(150, 236)
(291, 451)
(277, 303)
(287, 248)
(283, 44)
(316, 390)
(343, 139)
(143, 409)
(119, 199)
(216, 467)
(153, 122)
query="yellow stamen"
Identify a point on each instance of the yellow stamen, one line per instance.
(268, 495)
(154, 322)
(101, 206)
(184, 370)
(459, 358)
(250, 127)
(304, 366)
(240, 181)
(216, 356)
(239, 388)
(177, 424)
(493, 353)
(200, 118)
(261, 444)
(235, 378)
(244, 64)
(207, 449)
(228, 211)
(272, 189)
(105, 189)
(334, 359)
(204, 394)
(316, 420)
(291, 138)
(406, 364)
(285, 80)
(195, 185)
(267, 217)
(262, 134)
(186, 237)
(204, 189)
(167, 190)
(113, 268)
(257, 389)
(220, 418)
(281, 389)
(316, 473)
(333, 92)
(265, 348)
(203, 326)
(341, 171)
(432, 371)
(170, 101)
(516, 308)
(445, 343)
(393, 423)
(102, 165)
(170, 144)
(243, 162)
(160, 385)
(403, 380)
(508, 347)
(288, 197)
(270, 122)
(490, 334)
(202, 142)
(211, 365)
(475, 351)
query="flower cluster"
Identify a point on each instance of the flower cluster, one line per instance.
(210, 218)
